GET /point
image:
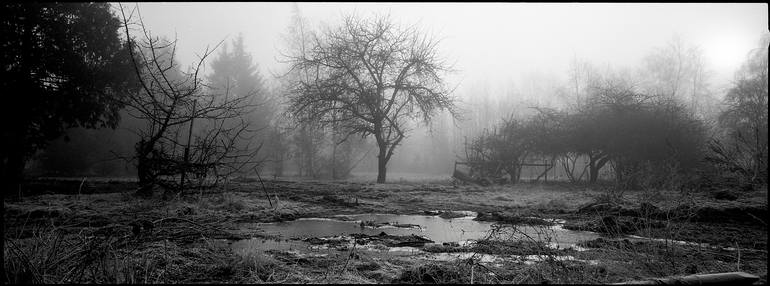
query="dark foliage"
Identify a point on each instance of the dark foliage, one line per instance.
(63, 66)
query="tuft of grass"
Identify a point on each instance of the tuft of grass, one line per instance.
(256, 268)
(436, 273)
(52, 256)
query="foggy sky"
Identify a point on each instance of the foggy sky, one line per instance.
(492, 44)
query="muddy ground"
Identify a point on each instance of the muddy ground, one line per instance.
(99, 231)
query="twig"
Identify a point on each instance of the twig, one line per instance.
(23, 226)
(263, 187)
(81, 187)
(350, 255)
(756, 218)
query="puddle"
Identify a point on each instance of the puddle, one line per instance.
(458, 228)
(405, 235)
(433, 227)
(484, 258)
(253, 245)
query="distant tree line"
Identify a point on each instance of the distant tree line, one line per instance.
(648, 136)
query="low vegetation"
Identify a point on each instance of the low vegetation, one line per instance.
(115, 237)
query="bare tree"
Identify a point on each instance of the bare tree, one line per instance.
(370, 77)
(744, 149)
(678, 71)
(307, 136)
(503, 151)
(171, 101)
(582, 75)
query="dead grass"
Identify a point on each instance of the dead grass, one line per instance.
(170, 254)
(50, 256)
(653, 259)
(57, 238)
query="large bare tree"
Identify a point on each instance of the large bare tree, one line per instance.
(369, 77)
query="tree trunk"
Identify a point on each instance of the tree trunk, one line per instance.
(382, 163)
(565, 164)
(299, 163)
(593, 172)
(143, 169)
(619, 172)
(13, 171)
(515, 173)
(15, 153)
(334, 157)
(595, 163)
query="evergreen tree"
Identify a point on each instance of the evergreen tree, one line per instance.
(63, 66)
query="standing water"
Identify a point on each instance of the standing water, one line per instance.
(460, 230)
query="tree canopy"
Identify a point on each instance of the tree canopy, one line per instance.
(235, 73)
(63, 66)
(370, 77)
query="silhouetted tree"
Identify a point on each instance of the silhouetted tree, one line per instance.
(235, 74)
(170, 101)
(235, 71)
(608, 99)
(640, 134)
(500, 152)
(645, 138)
(650, 143)
(370, 77)
(63, 66)
(544, 132)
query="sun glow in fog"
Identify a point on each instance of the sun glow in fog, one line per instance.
(728, 50)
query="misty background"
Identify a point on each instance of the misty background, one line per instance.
(507, 59)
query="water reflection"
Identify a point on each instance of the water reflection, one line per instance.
(461, 230)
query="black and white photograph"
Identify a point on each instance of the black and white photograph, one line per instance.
(384, 143)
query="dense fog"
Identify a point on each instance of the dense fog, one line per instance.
(503, 61)
(408, 143)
